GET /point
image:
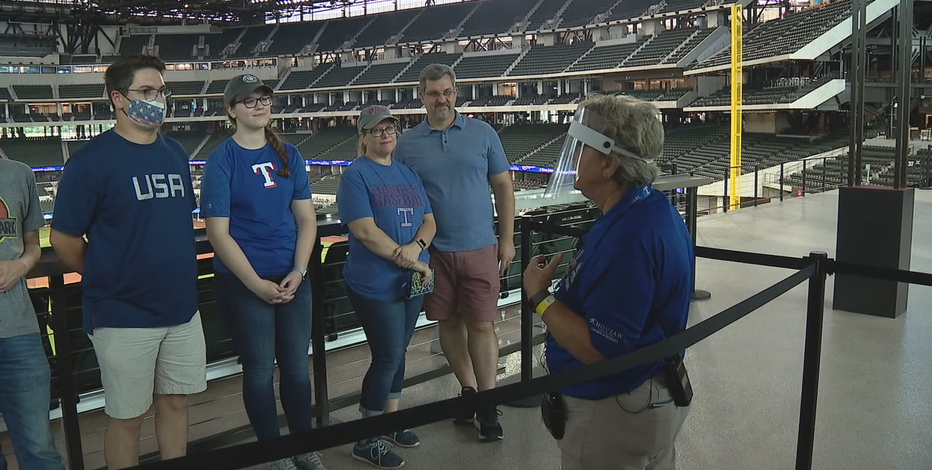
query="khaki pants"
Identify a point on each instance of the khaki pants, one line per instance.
(630, 431)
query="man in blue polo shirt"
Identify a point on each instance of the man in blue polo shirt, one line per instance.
(458, 159)
(129, 190)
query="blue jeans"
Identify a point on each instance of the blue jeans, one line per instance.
(389, 325)
(261, 334)
(25, 387)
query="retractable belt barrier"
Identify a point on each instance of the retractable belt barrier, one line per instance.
(255, 453)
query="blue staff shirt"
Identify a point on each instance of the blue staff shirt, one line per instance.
(631, 279)
(134, 203)
(395, 198)
(244, 185)
(455, 165)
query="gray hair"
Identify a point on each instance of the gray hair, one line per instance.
(435, 72)
(635, 125)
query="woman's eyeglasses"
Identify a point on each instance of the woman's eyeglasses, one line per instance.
(253, 102)
(378, 131)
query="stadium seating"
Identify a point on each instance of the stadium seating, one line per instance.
(659, 47)
(605, 57)
(291, 38)
(544, 13)
(688, 46)
(681, 5)
(81, 91)
(630, 9)
(250, 41)
(411, 75)
(339, 76)
(33, 92)
(303, 79)
(34, 151)
(326, 140)
(479, 66)
(582, 12)
(384, 27)
(521, 139)
(380, 73)
(134, 44)
(186, 88)
(550, 59)
(785, 35)
(436, 21)
(177, 47)
(339, 32)
(494, 17)
(5, 94)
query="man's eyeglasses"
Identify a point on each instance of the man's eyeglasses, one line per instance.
(435, 95)
(151, 94)
(253, 102)
(378, 131)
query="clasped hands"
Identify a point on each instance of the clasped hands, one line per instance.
(406, 257)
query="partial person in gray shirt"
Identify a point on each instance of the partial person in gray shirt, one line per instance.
(25, 378)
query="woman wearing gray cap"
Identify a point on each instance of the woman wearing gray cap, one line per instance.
(384, 204)
(256, 199)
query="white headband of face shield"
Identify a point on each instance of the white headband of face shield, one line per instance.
(600, 142)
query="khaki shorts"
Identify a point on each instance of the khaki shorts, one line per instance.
(466, 285)
(629, 431)
(137, 362)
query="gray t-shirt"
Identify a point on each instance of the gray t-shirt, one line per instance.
(19, 214)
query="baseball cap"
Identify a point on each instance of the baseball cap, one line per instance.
(372, 115)
(241, 86)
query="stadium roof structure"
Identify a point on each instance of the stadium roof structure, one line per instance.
(162, 11)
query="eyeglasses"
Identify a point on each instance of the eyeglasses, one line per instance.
(253, 102)
(435, 95)
(378, 131)
(151, 94)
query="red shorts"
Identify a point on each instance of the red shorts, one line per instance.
(466, 285)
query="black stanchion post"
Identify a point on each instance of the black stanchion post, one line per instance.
(527, 318)
(65, 363)
(726, 201)
(781, 182)
(804, 177)
(823, 174)
(692, 216)
(756, 171)
(811, 363)
(318, 335)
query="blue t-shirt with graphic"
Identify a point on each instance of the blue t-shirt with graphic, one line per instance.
(245, 186)
(394, 197)
(134, 203)
(632, 280)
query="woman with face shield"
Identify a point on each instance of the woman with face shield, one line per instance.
(628, 285)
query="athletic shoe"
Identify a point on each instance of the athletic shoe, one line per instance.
(465, 417)
(487, 422)
(377, 453)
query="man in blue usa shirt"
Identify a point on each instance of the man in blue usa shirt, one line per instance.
(129, 190)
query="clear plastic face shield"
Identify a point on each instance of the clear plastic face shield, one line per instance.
(579, 136)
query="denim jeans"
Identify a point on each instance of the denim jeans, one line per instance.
(389, 325)
(25, 387)
(261, 334)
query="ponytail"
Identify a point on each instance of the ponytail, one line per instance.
(272, 138)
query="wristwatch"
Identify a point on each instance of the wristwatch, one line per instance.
(421, 243)
(301, 271)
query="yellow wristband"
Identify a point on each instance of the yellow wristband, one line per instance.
(545, 304)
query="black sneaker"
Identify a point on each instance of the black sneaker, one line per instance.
(487, 422)
(466, 417)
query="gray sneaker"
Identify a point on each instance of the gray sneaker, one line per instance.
(309, 461)
(283, 464)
